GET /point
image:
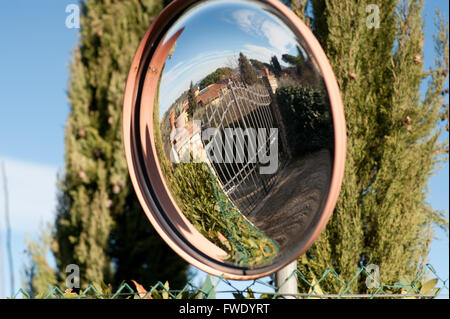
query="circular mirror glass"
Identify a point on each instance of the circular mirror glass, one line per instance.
(234, 134)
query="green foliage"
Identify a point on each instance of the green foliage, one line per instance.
(418, 287)
(39, 276)
(199, 196)
(100, 225)
(275, 66)
(300, 8)
(163, 291)
(208, 290)
(248, 74)
(306, 115)
(393, 146)
(218, 75)
(192, 100)
(260, 65)
(305, 68)
(249, 295)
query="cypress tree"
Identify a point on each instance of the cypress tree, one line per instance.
(100, 225)
(276, 65)
(394, 141)
(248, 74)
(192, 101)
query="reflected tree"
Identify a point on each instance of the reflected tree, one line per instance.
(248, 74)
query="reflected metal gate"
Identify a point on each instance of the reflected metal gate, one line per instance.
(238, 109)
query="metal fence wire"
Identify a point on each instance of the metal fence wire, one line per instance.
(240, 108)
(427, 285)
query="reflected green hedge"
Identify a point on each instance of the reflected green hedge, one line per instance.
(200, 197)
(307, 117)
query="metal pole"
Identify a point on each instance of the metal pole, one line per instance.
(286, 281)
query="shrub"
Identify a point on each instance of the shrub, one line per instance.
(307, 118)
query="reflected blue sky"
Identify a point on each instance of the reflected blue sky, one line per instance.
(214, 35)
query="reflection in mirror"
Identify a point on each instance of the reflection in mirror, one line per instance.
(243, 129)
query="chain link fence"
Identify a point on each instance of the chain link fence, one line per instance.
(427, 285)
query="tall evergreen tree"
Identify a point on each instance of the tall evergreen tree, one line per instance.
(275, 65)
(192, 101)
(394, 140)
(248, 74)
(99, 225)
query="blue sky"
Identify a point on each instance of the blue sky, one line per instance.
(35, 52)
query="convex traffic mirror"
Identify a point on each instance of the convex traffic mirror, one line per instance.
(234, 134)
